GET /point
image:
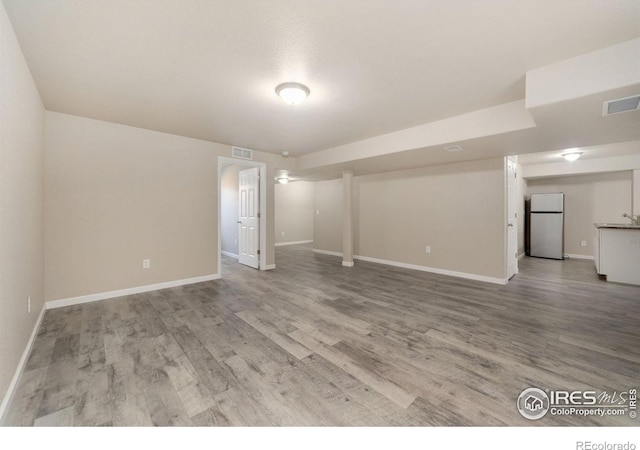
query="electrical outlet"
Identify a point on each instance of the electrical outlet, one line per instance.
(317, 212)
(283, 233)
(427, 249)
(583, 243)
(28, 304)
(146, 263)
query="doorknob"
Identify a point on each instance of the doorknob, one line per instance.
(239, 221)
(510, 225)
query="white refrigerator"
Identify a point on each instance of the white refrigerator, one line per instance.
(547, 225)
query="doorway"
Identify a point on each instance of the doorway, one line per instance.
(249, 217)
(512, 218)
(259, 208)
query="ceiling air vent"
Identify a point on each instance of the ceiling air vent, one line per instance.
(242, 153)
(454, 148)
(621, 105)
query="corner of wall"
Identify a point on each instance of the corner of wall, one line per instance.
(22, 206)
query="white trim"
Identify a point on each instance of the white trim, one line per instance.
(20, 369)
(263, 218)
(347, 263)
(130, 291)
(453, 273)
(229, 254)
(281, 244)
(580, 256)
(522, 255)
(327, 252)
(224, 161)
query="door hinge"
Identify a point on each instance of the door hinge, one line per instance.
(258, 215)
(258, 252)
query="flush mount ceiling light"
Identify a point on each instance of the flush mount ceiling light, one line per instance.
(292, 93)
(571, 156)
(283, 180)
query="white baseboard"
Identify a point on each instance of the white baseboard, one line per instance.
(130, 291)
(20, 369)
(522, 255)
(580, 256)
(327, 252)
(269, 267)
(347, 263)
(453, 273)
(281, 244)
(229, 254)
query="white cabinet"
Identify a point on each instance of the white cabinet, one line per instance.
(617, 254)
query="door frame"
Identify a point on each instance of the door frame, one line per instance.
(223, 162)
(510, 197)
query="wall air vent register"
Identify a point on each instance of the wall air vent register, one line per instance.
(621, 105)
(242, 153)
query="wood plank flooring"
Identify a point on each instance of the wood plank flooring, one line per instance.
(314, 343)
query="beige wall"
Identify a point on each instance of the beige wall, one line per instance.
(21, 202)
(116, 195)
(457, 209)
(229, 208)
(327, 218)
(588, 199)
(294, 211)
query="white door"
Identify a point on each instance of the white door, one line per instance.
(249, 218)
(512, 219)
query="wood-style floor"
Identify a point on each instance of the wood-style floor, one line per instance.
(315, 343)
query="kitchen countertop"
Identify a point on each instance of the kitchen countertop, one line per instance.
(621, 226)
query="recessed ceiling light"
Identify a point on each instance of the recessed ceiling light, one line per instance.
(292, 93)
(571, 156)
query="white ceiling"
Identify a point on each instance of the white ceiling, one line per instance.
(594, 152)
(208, 69)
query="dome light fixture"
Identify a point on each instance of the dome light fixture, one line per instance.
(283, 180)
(292, 93)
(571, 156)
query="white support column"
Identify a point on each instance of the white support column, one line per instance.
(635, 195)
(347, 223)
